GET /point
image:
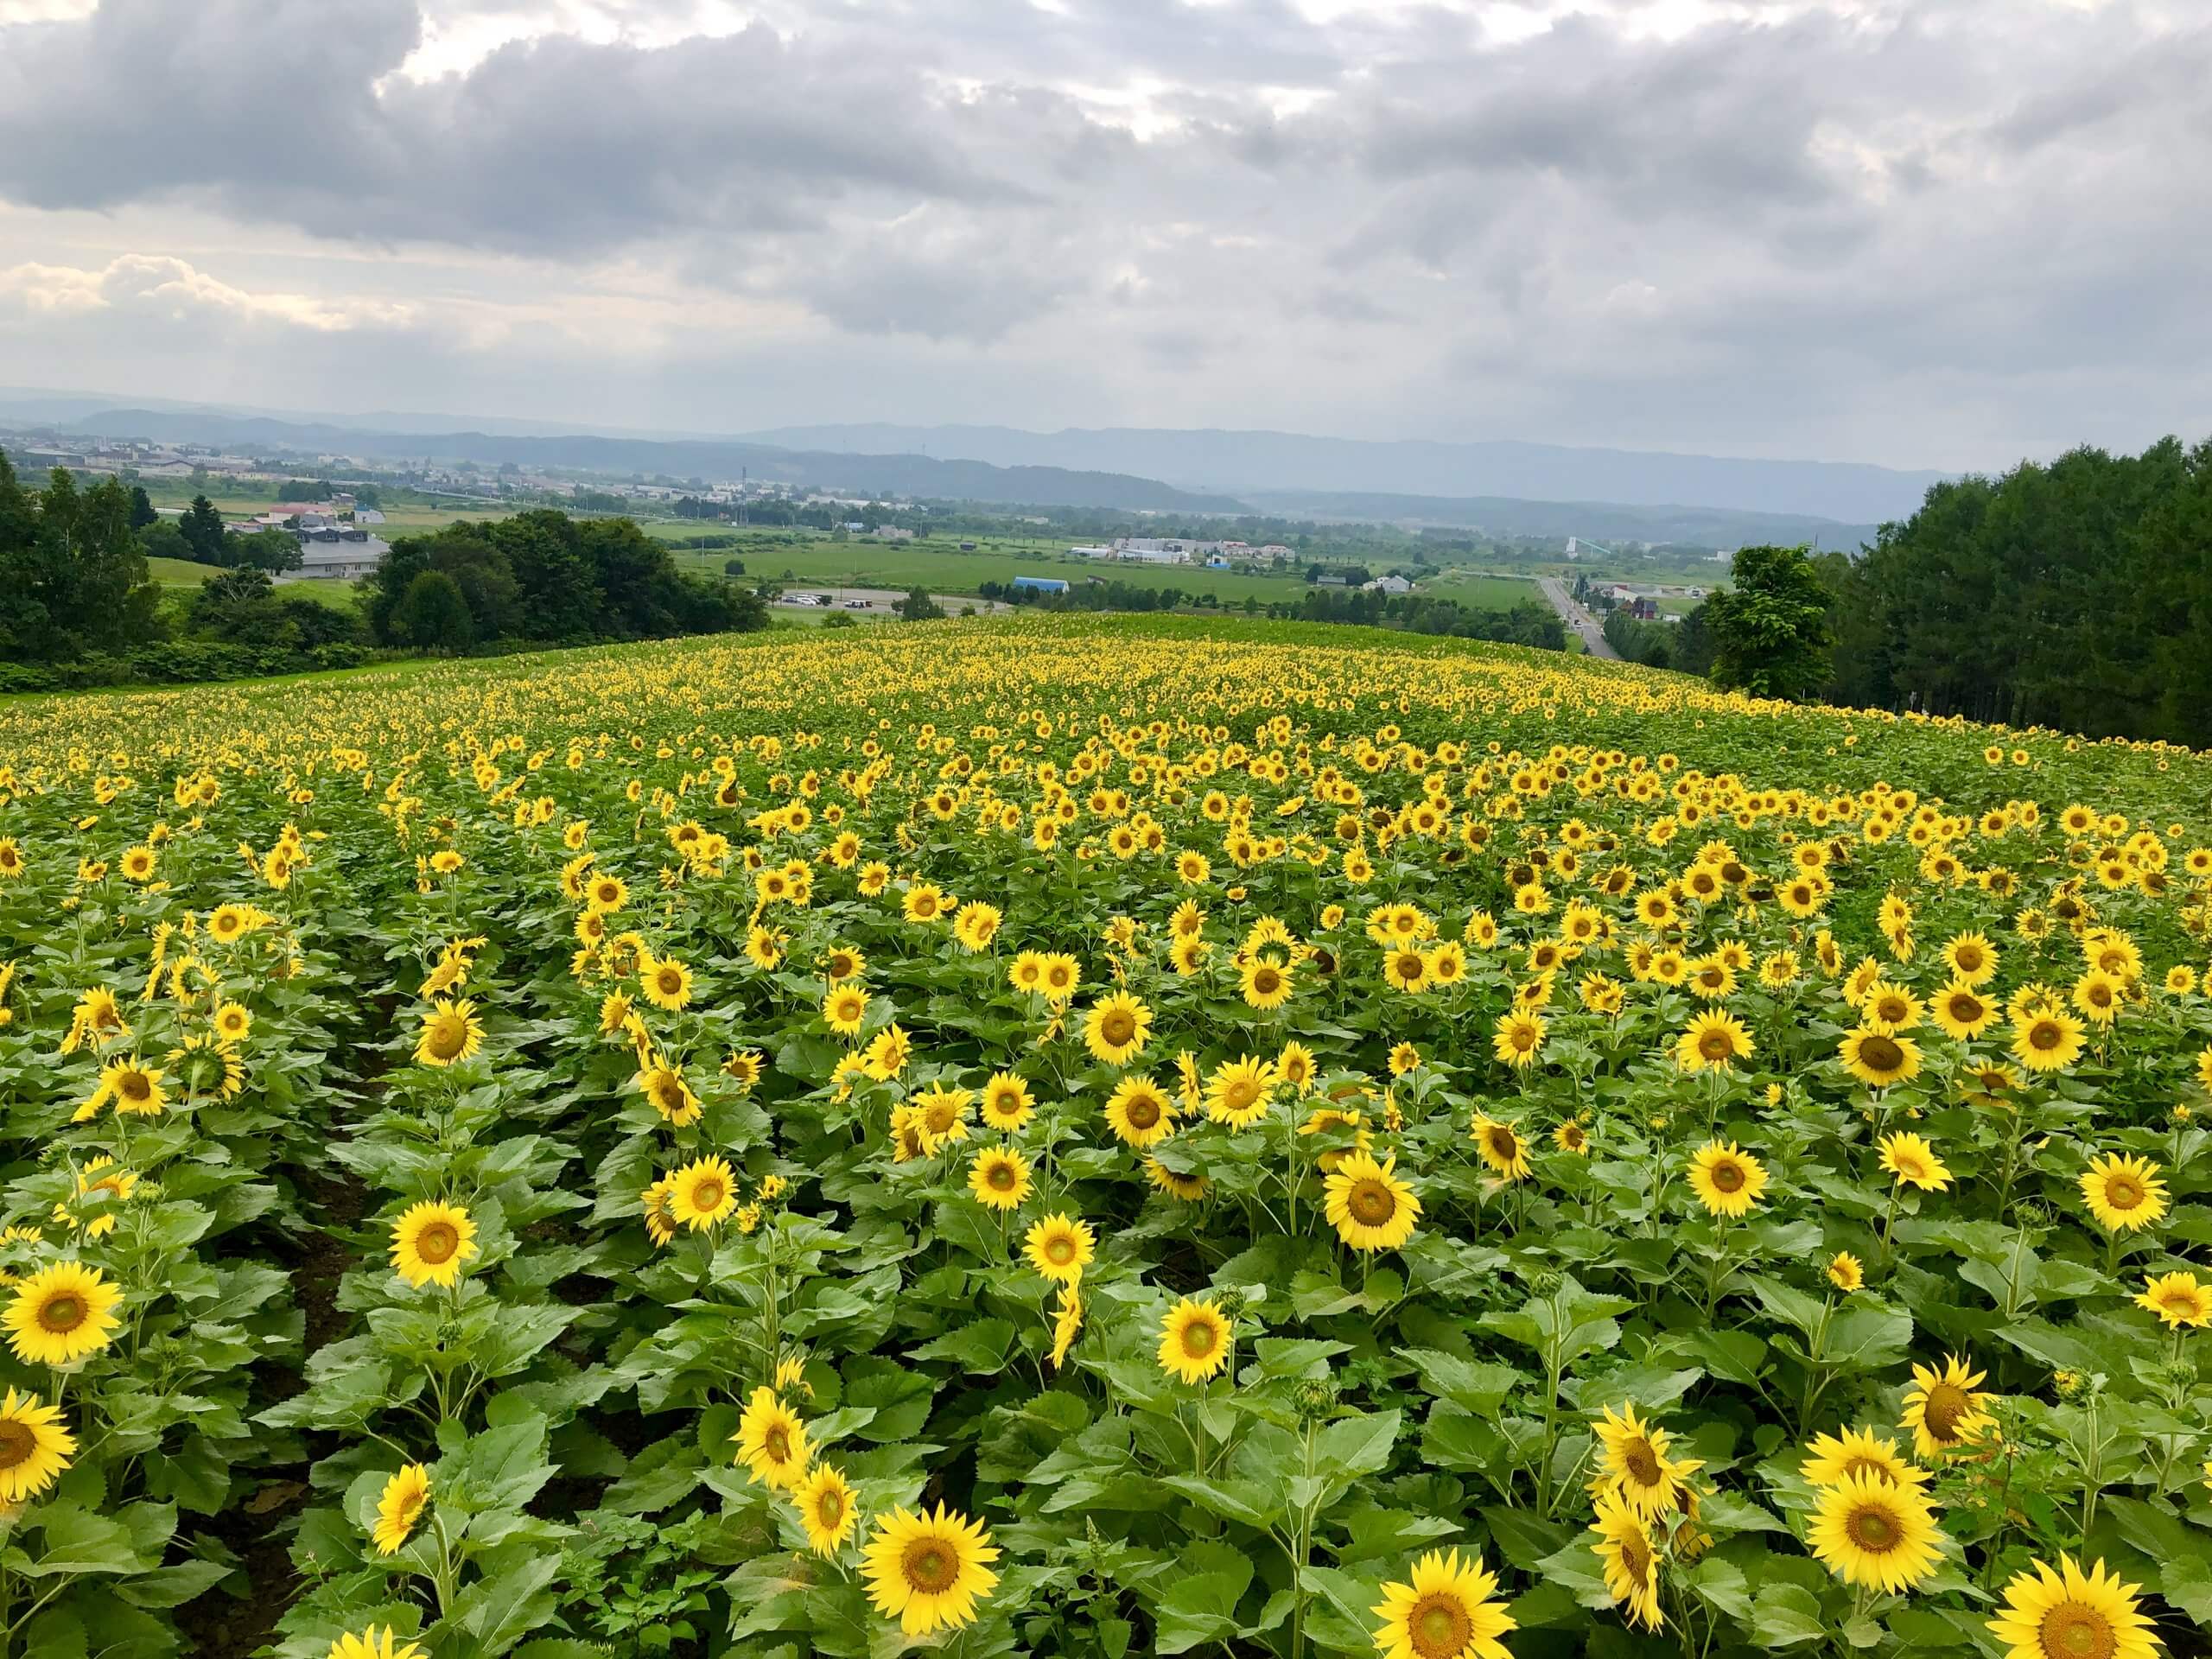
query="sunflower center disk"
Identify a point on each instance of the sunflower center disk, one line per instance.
(928, 1565)
(18, 1442)
(437, 1243)
(1372, 1204)
(2070, 1631)
(1439, 1628)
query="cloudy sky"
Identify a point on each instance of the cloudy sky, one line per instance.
(1924, 232)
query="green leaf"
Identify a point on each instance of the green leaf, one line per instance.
(1469, 1384)
(1783, 1615)
(981, 1347)
(1200, 1604)
(1358, 1446)
(901, 1398)
(77, 1541)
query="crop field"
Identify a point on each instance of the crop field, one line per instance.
(1088, 1137)
(946, 569)
(1484, 591)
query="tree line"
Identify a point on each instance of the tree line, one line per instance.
(2075, 595)
(545, 578)
(79, 605)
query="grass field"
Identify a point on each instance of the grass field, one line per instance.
(184, 575)
(181, 573)
(1482, 590)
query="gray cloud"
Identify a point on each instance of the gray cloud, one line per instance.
(1921, 230)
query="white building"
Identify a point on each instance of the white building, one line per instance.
(1387, 585)
(893, 533)
(343, 557)
(1153, 550)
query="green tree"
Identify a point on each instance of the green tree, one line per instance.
(203, 531)
(432, 615)
(141, 508)
(1769, 628)
(918, 607)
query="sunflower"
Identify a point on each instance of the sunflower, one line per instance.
(1115, 1029)
(1727, 1182)
(1914, 1162)
(1140, 1112)
(1406, 968)
(61, 1313)
(1714, 1040)
(1370, 1208)
(1449, 1610)
(429, 1241)
(35, 1446)
(233, 1020)
(1266, 984)
(1194, 1341)
(1631, 1565)
(1962, 1012)
(1846, 1272)
(1060, 1246)
(670, 1095)
(667, 983)
(976, 925)
(703, 1193)
(1874, 1532)
(2048, 1041)
(450, 1032)
(928, 1570)
(846, 1009)
(1066, 1324)
(1880, 1058)
(2177, 1299)
(373, 1643)
(1518, 1038)
(1888, 1008)
(1240, 1092)
(1501, 1148)
(1187, 1188)
(406, 1495)
(2123, 1194)
(1943, 1409)
(1295, 1065)
(888, 1051)
(827, 1509)
(1637, 1469)
(1832, 1460)
(771, 1442)
(1007, 1104)
(134, 1087)
(2070, 1614)
(999, 1177)
(1971, 958)
(659, 1201)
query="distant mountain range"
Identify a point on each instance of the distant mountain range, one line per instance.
(1243, 463)
(841, 472)
(1505, 488)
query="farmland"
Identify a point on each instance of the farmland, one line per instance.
(1093, 1137)
(941, 568)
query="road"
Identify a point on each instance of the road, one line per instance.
(1593, 636)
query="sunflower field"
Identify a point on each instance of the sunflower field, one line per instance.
(1095, 1138)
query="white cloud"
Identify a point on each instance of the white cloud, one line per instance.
(153, 285)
